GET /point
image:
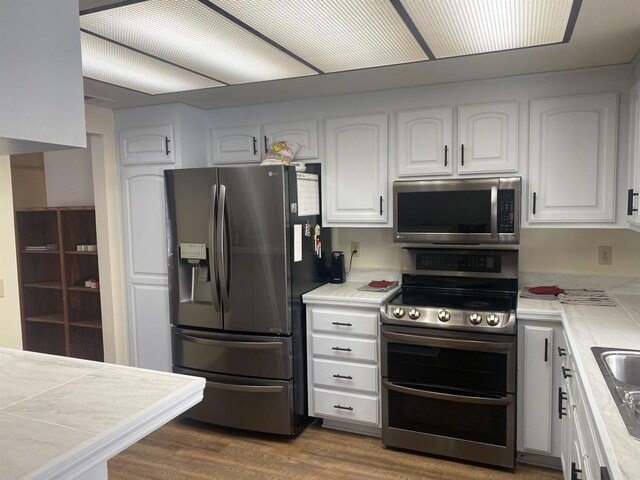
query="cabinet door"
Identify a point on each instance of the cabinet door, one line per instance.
(304, 133)
(146, 145)
(356, 170)
(488, 138)
(573, 158)
(424, 142)
(538, 371)
(633, 199)
(143, 202)
(236, 144)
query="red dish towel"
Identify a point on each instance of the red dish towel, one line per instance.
(546, 290)
(380, 284)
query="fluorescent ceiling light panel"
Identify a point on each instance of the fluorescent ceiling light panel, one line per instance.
(332, 35)
(453, 28)
(111, 63)
(192, 35)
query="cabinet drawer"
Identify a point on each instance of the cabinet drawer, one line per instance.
(352, 376)
(346, 406)
(344, 321)
(344, 347)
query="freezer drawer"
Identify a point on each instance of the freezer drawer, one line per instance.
(248, 355)
(247, 403)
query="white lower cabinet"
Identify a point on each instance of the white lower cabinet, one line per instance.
(342, 366)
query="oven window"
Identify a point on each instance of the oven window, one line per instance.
(465, 421)
(450, 368)
(460, 211)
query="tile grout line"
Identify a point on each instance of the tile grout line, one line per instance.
(48, 423)
(51, 388)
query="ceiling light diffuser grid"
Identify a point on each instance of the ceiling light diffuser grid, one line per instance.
(111, 63)
(333, 35)
(453, 28)
(190, 34)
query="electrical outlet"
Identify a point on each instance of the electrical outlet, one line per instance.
(605, 255)
(355, 246)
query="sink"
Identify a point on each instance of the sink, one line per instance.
(624, 365)
(621, 371)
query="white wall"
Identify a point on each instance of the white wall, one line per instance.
(69, 177)
(541, 250)
(10, 329)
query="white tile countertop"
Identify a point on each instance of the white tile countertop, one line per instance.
(347, 294)
(63, 418)
(597, 326)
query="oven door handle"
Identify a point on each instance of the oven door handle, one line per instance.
(449, 343)
(446, 396)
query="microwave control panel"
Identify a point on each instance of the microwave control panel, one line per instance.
(506, 211)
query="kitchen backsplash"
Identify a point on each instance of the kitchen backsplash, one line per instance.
(570, 251)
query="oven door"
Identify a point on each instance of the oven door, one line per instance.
(449, 393)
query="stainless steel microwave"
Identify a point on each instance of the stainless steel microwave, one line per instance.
(460, 211)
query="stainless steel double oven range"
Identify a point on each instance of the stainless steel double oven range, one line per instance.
(449, 351)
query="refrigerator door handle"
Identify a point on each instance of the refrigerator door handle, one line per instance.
(223, 263)
(246, 388)
(212, 248)
(230, 343)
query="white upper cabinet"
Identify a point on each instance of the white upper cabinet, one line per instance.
(424, 142)
(572, 158)
(249, 143)
(146, 145)
(304, 133)
(236, 144)
(355, 179)
(488, 138)
(633, 197)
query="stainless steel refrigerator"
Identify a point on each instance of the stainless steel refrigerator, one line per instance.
(242, 251)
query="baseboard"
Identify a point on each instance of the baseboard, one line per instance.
(351, 427)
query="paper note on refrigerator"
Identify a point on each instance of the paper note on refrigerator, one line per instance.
(297, 243)
(308, 194)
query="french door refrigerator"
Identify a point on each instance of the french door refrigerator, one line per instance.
(240, 257)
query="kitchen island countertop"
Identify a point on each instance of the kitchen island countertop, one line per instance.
(63, 418)
(597, 326)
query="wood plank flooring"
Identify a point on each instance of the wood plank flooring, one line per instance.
(187, 450)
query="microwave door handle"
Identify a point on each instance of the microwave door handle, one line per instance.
(446, 396)
(213, 267)
(494, 212)
(449, 343)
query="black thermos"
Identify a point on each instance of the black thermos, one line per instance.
(337, 267)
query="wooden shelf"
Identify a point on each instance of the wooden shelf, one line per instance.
(56, 285)
(92, 323)
(84, 289)
(45, 252)
(47, 318)
(55, 319)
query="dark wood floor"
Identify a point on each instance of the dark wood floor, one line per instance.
(188, 450)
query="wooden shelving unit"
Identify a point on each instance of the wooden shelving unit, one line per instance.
(59, 314)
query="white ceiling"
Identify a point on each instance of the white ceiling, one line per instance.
(606, 33)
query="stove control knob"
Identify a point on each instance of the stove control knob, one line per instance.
(398, 312)
(493, 320)
(414, 313)
(475, 318)
(444, 316)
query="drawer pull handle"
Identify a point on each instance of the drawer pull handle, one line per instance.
(341, 349)
(562, 411)
(343, 408)
(575, 471)
(566, 372)
(562, 352)
(347, 377)
(342, 324)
